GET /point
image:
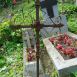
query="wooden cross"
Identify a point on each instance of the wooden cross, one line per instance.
(28, 39)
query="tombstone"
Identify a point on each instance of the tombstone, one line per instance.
(10, 9)
(5, 11)
(50, 8)
(5, 14)
(45, 31)
(27, 37)
(0, 21)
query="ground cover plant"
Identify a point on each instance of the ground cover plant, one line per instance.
(74, 74)
(66, 46)
(11, 61)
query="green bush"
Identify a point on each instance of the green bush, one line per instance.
(2, 60)
(7, 34)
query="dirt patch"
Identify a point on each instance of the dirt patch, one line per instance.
(47, 64)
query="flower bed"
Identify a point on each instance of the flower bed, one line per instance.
(30, 64)
(31, 54)
(62, 66)
(65, 45)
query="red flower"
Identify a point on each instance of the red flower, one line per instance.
(51, 39)
(71, 53)
(58, 38)
(29, 48)
(76, 47)
(64, 51)
(73, 39)
(68, 42)
(59, 46)
(30, 56)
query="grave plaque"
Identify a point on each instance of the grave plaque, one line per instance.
(49, 7)
(28, 37)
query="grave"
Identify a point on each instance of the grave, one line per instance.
(10, 9)
(63, 67)
(29, 68)
(45, 30)
(5, 13)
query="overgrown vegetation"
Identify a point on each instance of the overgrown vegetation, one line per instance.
(11, 46)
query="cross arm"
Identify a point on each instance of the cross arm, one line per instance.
(54, 25)
(34, 26)
(20, 26)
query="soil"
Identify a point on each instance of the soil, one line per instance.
(47, 63)
(66, 57)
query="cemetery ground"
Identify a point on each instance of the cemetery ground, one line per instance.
(11, 59)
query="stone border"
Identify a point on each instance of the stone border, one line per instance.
(63, 67)
(30, 66)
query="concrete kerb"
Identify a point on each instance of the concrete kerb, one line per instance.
(63, 67)
(29, 68)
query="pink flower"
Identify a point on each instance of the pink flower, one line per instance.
(51, 39)
(68, 42)
(31, 55)
(70, 47)
(76, 47)
(73, 39)
(63, 36)
(60, 35)
(29, 48)
(58, 42)
(58, 38)
(64, 41)
(64, 51)
(70, 50)
(28, 57)
(59, 46)
(71, 53)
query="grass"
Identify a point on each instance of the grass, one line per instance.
(11, 61)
